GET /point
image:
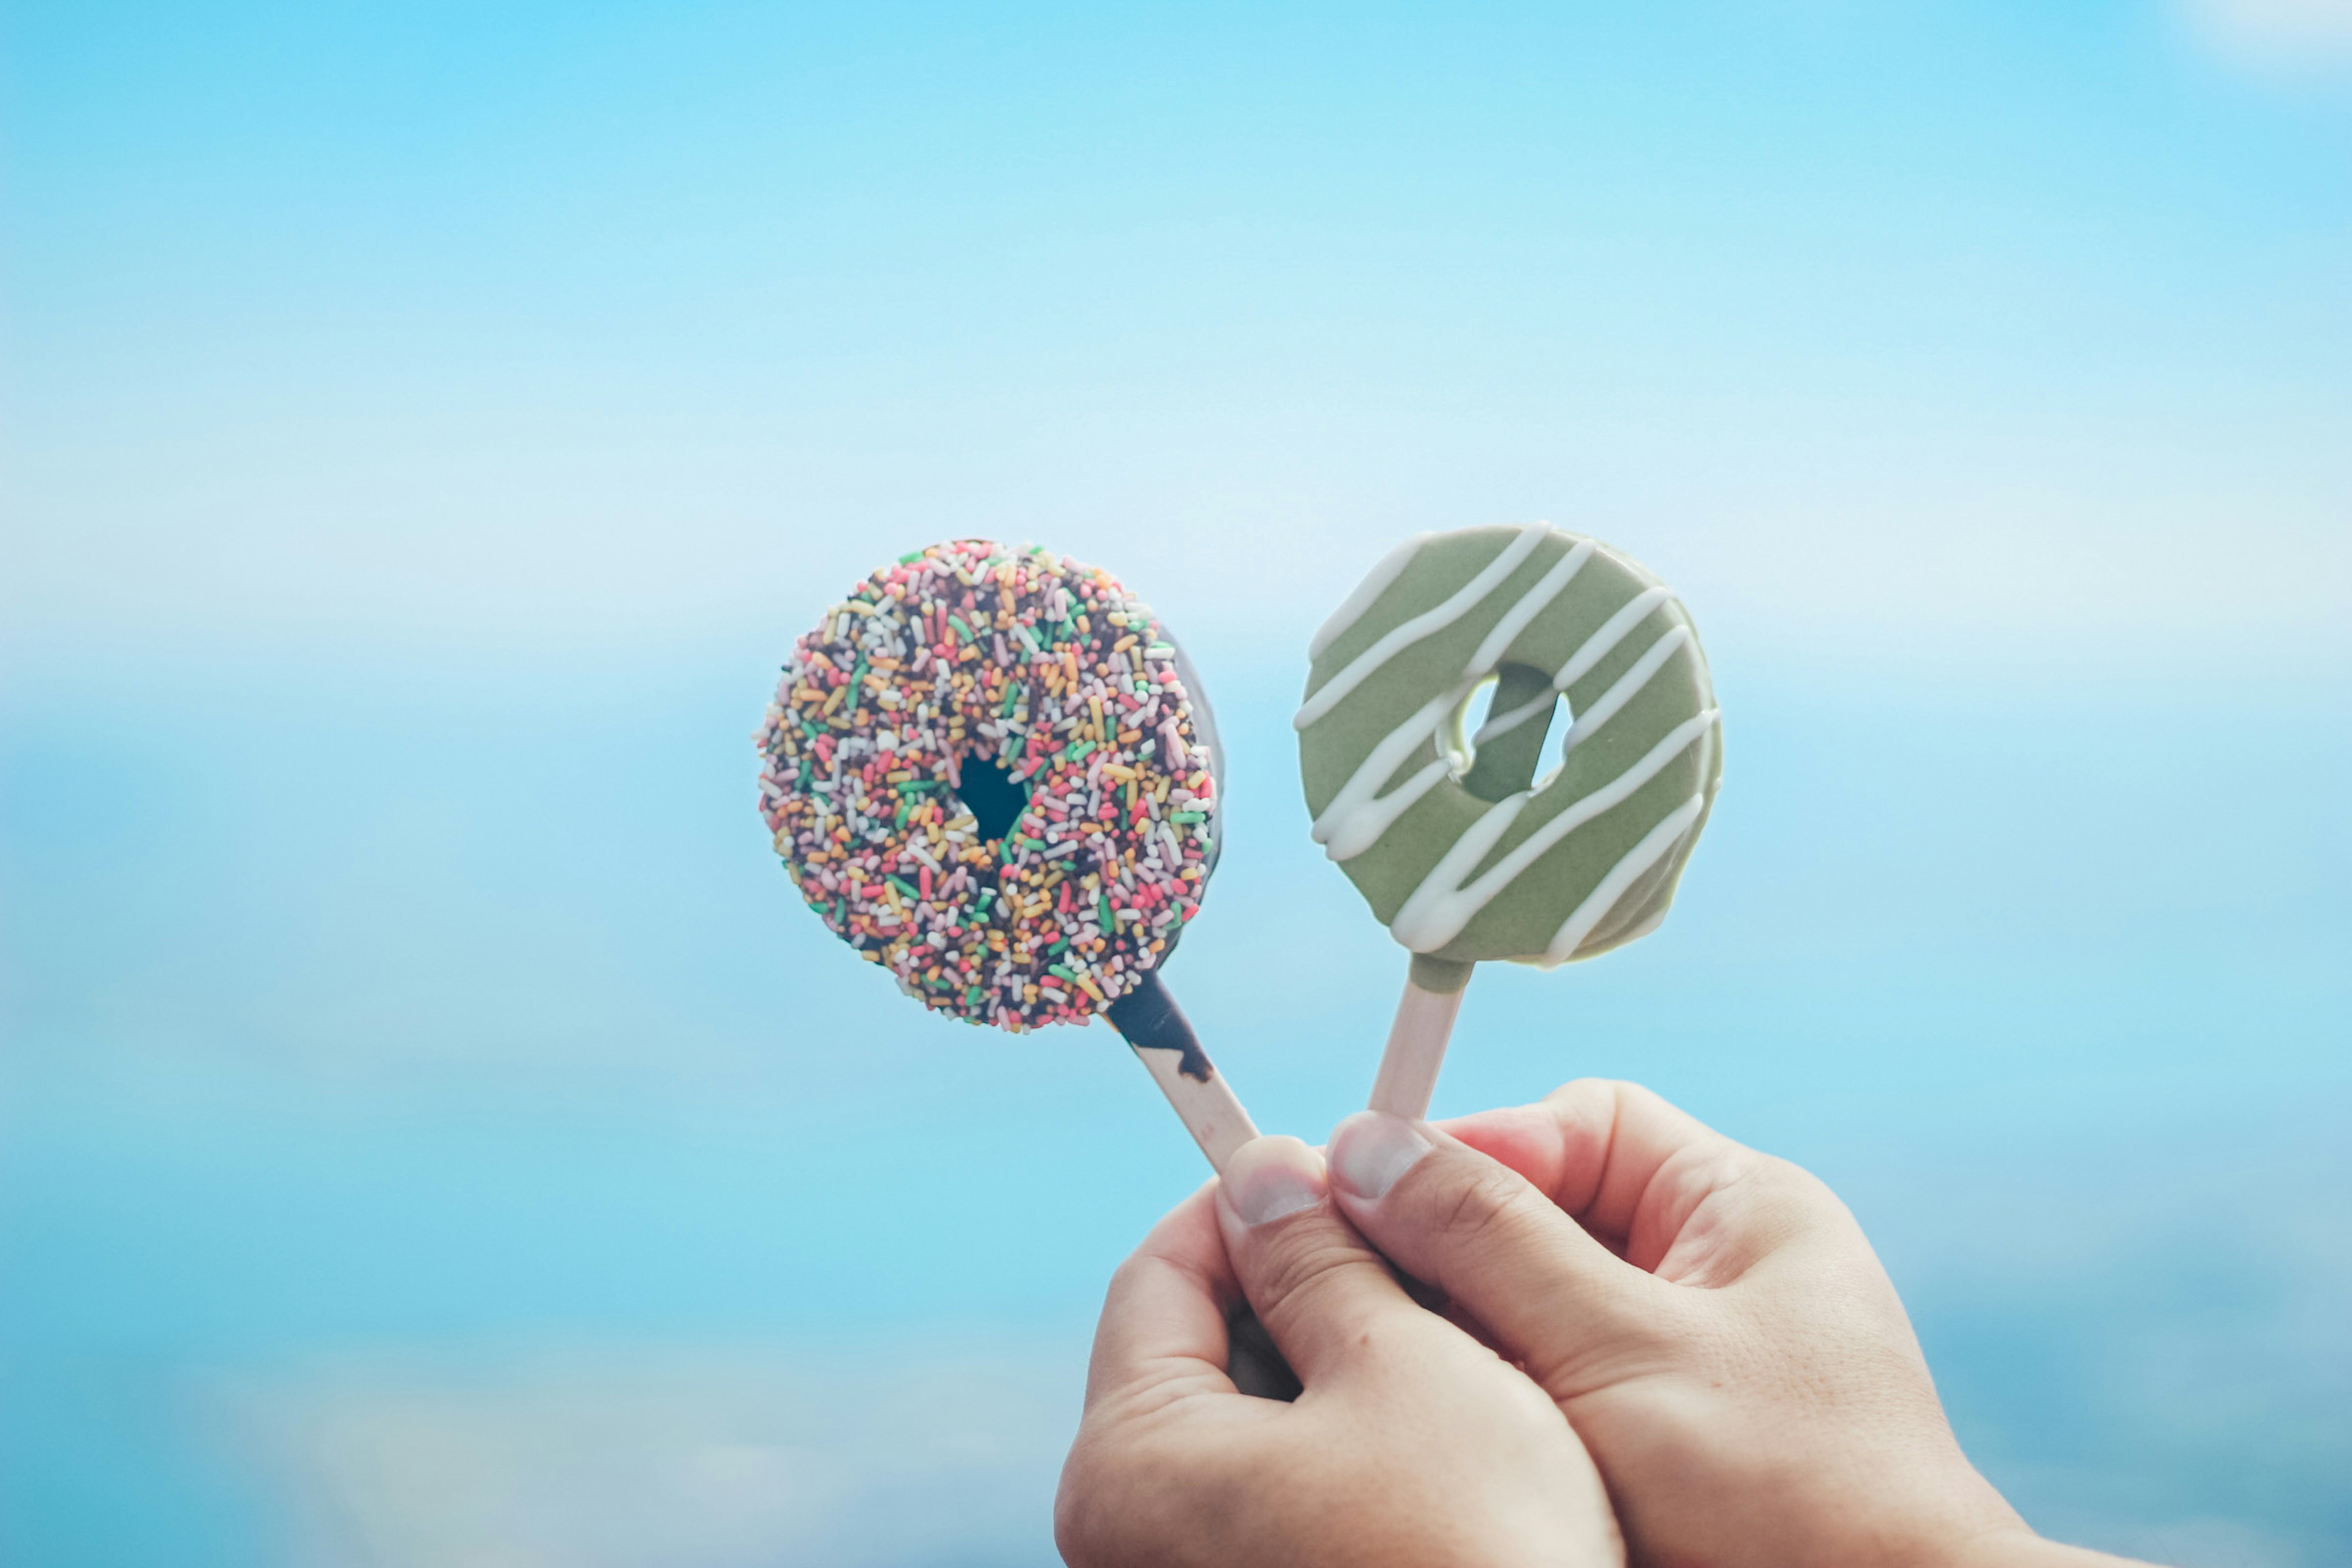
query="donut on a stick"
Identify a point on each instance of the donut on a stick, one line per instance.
(991, 772)
(1462, 851)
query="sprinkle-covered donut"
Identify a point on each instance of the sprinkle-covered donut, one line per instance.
(987, 772)
(1462, 851)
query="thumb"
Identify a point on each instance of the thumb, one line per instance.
(1554, 1298)
(1328, 1300)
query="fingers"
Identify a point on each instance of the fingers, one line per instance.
(1162, 1334)
(1670, 1193)
(1593, 1145)
(1328, 1300)
(1551, 1295)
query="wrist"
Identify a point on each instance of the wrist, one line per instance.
(2013, 1543)
(1947, 1518)
(2016, 1546)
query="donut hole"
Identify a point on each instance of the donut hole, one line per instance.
(1499, 729)
(989, 794)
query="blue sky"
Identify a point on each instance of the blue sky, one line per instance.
(423, 429)
(478, 324)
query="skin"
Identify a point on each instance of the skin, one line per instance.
(1406, 1427)
(1713, 1335)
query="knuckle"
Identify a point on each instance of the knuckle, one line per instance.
(1795, 1199)
(1302, 1275)
(1588, 1096)
(1721, 1213)
(1133, 1273)
(1792, 1180)
(1478, 1206)
(1306, 1260)
(1124, 1276)
(1080, 1518)
(1106, 1511)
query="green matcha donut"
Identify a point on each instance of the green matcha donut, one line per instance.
(1467, 860)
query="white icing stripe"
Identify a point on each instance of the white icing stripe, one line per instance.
(1326, 697)
(1532, 604)
(1370, 822)
(1437, 910)
(1504, 723)
(1612, 632)
(1352, 608)
(1358, 816)
(1426, 920)
(1706, 759)
(1623, 690)
(1595, 648)
(1653, 848)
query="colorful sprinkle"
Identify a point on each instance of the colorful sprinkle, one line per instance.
(1049, 669)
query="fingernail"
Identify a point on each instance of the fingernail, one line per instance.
(1369, 1151)
(1270, 1177)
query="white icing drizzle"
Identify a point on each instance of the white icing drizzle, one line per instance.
(1351, 610)
(1594, 649)
(1440, 908)
(1624, 688)
(1427, 919)
(1655, 847)
(1359, 813)
(1612, 632)
(1504, 723)
(1532, 604)
(1326, 697)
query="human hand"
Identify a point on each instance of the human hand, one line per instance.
(1710, 1320)
(1411, 1443)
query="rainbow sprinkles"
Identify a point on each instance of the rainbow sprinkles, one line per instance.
(1012, 676)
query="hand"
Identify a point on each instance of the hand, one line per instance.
(1710, 1318)
(1410, 1444)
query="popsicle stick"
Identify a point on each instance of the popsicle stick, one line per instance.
(1417, 1047)
(1148, 1018)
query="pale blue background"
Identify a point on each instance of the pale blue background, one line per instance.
(431, 1131)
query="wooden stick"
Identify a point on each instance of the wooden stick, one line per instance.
(1417, 1047)
(1163, 1040)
